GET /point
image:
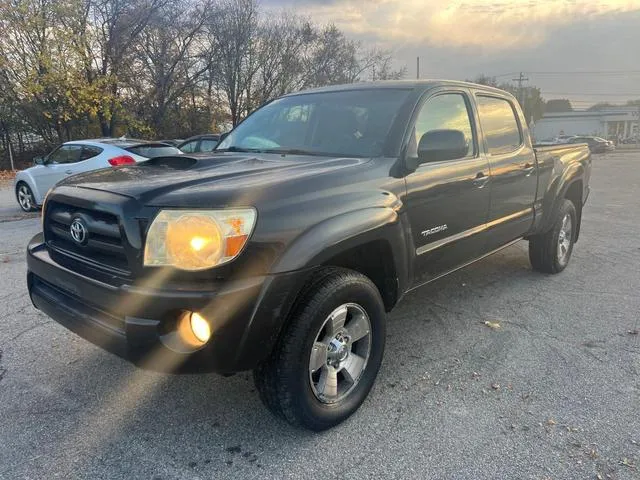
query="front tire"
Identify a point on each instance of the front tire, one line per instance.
(328, 357)
(25, 197)
(550, 252)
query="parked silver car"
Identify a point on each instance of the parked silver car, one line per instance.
(32, 184)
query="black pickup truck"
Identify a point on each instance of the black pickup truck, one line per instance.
(281, 251)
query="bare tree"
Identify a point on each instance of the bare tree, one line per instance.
(166, 64)
(232, 31)
(283, 46)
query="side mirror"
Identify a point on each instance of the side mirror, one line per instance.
(223, 136)
(38, 160)
(440, 145)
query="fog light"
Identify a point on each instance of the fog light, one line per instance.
(200, 327)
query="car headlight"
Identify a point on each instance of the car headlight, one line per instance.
(197, 239)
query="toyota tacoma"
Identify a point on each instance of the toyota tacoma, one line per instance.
(281, 251)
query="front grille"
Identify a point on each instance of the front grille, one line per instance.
(103, 246)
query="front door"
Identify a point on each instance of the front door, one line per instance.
(59, 164)
(447, 201)
(514, 176)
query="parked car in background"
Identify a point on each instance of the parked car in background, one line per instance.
(200, 143)
(173, 142)
(562, 139)
(546, 141)
(596, 144)
(32, 184)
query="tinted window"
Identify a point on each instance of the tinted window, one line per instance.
(189, 147)
(90, 152)
(341, 123)
(499, 125)
(151, 151)
(444, 112)
(66, 154)
(207, 145)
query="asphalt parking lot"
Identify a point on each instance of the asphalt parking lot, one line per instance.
(553, 393)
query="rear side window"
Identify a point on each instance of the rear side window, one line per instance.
(499, 124)
(90, 152)
(151, 151)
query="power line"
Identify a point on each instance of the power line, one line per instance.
(581, 94)
(574, 72)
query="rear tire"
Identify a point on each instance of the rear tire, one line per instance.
(329, 354)
(550, 252)
(25, 197)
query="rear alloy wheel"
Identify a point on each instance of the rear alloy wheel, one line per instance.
(550, 252)
(328, 357)
(25, 197)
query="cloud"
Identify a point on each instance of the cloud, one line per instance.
(497, 25)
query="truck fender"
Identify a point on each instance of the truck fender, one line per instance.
(338, 234)
(556, 194)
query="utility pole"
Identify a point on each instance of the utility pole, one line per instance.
(13, 168)
(418, 68)
(520, 79)
(638, 129)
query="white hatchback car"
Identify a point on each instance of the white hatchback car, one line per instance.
(32, 184)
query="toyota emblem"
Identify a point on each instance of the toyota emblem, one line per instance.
(78, 231)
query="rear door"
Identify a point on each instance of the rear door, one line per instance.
(447, 201)
(514, 178)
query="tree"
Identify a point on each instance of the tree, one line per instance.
(558, 105)
(483, 79)
(165, 67)
(104, 33)
(232, 29)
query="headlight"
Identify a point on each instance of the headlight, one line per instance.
(197, 239)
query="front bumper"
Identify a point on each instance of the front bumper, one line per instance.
(245, 315)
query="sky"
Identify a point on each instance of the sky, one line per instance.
(586, 51)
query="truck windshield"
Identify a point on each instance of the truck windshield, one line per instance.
(349, 123)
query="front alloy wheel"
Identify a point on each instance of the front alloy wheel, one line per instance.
(340, 353)
(25, 197)
(329, 354)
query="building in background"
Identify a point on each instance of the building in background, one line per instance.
(610, 122)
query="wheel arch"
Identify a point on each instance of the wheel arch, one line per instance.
(26, 178)
(370, 241)
(573, 178)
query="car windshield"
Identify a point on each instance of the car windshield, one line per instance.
(351, 123)
(154, 150)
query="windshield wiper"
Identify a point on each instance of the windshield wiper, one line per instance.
(237, 149)
(291, 151)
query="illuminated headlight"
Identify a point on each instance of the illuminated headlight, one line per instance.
(197, 239)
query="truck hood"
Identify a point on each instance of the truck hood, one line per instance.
(219, 180)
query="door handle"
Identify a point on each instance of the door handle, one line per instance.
(528, 168)
(68, 172)
(481, 180)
